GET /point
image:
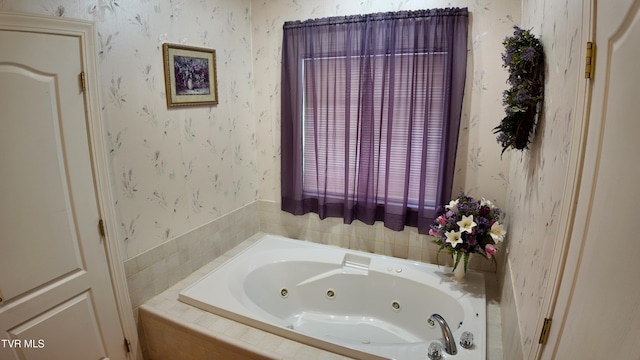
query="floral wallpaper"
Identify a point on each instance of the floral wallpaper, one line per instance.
(172, 170)
(537, 176)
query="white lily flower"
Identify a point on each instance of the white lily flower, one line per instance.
(454, 237)
(486, 202)
(453, 205)
(497, 232)
(467, 224)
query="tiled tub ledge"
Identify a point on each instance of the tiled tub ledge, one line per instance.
(174, 330)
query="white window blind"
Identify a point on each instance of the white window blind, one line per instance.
(354, 113)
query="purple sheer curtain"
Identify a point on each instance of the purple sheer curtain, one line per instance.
(371, 108)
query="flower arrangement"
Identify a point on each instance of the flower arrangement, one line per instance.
(467, 226)
(524, 59)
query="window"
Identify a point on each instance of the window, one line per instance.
(325, 129)
(370, 115)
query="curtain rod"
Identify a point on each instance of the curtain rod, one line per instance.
(392, 15)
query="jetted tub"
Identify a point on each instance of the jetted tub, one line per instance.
(353, 303)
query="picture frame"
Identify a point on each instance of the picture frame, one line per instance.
(190, 75)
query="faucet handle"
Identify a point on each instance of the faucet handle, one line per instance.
(466, 340)
(434, 352)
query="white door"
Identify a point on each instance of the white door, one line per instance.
(57, 299)
(598, 313)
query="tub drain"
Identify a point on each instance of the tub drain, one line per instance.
(331, 294)
(284, 293)
(396, 306)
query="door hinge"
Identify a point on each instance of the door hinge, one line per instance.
(591, 56)
(83, 82)
(103, 232)
(127, 345)
(544, 335)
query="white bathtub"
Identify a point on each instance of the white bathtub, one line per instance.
(353, 303)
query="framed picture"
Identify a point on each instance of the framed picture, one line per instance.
(190, 75)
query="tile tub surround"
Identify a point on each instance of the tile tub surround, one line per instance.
(376, 238)
(174, 330)
(155, 270)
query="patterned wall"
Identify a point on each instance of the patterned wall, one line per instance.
(175, 170)
(537, 176)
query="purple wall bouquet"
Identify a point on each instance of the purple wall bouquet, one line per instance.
(524, 59)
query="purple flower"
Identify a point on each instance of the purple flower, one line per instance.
(482, 220)
(528, 54)
(471, 241)
(518, 31)
(502, 138)
(506, 58)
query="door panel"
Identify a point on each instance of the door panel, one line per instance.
(599, 317)
(51, 330)
(32, 212)
(54, 277)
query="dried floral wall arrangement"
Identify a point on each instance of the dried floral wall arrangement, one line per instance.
(524, 59)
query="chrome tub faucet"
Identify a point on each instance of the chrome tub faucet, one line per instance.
(449, 342)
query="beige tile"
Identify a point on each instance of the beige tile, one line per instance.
(170, 247)
(270, 342)
(140, 279)
(130, 267)
(139, 296)
(205, 319)
(325, 355)
(150, 257)
(252, 336)
(288, 348)
(221, 325)
(307, 353)
(236, 330)
(399, 251)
